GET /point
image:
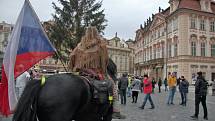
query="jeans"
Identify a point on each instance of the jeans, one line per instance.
(135, 96)
(199, 99)
(183, 98)
(123, 96)
(148, 97)
(129, 92)
(171, 95)
(159, 89)
(166, 89)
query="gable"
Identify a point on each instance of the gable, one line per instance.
(157, 21)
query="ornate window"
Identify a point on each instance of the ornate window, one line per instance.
(154, 56)
(169, 50)
(202, 24)
(175, 24)
(175, 49)
(203, 52)
(212, 26)
(193, 48)
(150, 54)
(158, 52)
(193, 23)
(212, 50)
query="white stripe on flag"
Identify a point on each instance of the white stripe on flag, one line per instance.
(10, 58)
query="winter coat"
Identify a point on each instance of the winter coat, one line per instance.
(136, 85)
(172, 82)
(159, 82)
(183, 86)
(147, 86)
(165, 82)
(153, 83)
(123, 83)
(201, 86)
(213, 85)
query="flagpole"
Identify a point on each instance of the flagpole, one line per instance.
(58, 55)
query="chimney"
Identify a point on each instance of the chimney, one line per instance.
(116, 34)
(147, 21)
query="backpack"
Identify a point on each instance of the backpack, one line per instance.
(102, 89)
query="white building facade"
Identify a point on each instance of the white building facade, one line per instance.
(179, 39)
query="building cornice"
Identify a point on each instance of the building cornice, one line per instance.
(189, 58)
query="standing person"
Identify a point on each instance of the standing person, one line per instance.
(172, 88)
(153, 84)
(165, 84)
(129, 86)
(136, 85)
(147, 90)
(122, 85)
(213, 88)
(159, 84)
(183, 87)
(21, 82)
(201, 87)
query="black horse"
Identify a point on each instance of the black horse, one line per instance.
(63, 97)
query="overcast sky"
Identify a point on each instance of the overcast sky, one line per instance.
(124, 16)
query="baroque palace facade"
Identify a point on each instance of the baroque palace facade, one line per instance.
(121, 53)
(178, 39)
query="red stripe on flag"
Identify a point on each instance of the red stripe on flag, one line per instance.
(27, 60)
(4, 100)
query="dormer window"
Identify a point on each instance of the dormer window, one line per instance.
(206, 6)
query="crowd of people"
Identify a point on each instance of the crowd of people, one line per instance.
(133, 85)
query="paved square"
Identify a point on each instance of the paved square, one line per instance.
(163, 112)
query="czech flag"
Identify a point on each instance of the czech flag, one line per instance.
(28, 44)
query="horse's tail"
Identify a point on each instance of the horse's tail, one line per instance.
(27, 106)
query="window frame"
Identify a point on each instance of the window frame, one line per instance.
(193, 48)
(202, 25)
(212, 50)
(203, 49)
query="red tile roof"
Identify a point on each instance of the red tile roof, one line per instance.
(190, 4)
(194, 4)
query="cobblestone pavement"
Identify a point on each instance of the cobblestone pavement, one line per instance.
(163, 112)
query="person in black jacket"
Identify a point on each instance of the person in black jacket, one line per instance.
(200, 96)
(183, 88)
(122, 85)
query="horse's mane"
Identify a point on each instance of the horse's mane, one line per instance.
(112, 69)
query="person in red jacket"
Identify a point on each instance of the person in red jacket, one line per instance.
(147, 90)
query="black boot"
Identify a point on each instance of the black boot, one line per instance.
(141, 107)
(194, 117)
